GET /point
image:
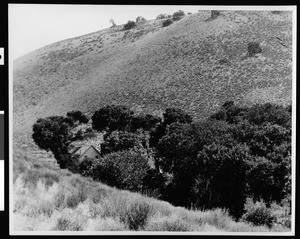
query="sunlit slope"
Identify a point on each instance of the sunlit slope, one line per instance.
(196, 64)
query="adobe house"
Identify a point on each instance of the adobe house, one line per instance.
(85, 152)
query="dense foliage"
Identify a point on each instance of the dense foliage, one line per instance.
(178, 15)
(238, 152)
(167, 22)
(129, 25)
(78, 116)
(111, 117)
(53, 134)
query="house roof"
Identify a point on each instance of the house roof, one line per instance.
(82, 150)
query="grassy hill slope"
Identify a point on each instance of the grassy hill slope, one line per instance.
(196, 64)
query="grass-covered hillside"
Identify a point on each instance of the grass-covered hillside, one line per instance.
(196, 63)
(47, 198)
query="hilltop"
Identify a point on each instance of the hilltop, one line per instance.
(195, 64)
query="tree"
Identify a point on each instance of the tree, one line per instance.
(111, 117)
(122, 140)
(78, 116)
(140, 19)
(145, 122)
(178, 15)
(53, 133)
(122, 169)
(174, 146)
(173, 115)
(129, 25)
(112, 21)
(167, 22)
(161, 16)
(272, 113)
(225, 168)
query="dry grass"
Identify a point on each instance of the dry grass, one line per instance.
(74, 203)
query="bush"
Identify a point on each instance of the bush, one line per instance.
(178, 15)
(254, 48)
(258, 214)
(136, 215)
(167, 22)
(129, 25)
(123, 169)
(215, 13)
(173, 223)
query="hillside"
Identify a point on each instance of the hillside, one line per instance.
(196, 64)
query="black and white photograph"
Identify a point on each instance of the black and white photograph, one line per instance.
(152, 119)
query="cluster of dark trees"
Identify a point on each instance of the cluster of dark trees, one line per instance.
(238, 152)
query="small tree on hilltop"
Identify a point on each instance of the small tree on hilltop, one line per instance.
(178, 15)
(129, 25)
(140, 19)
(161, 16)
(215, 13)
(112, 21)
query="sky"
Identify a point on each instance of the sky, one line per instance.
(32, 26)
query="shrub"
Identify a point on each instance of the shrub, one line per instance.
(136, 215)
(122, 169)
(167, 22)
(72, 200)
(254, 48)
(258, 214)
(129, 25)
(164, 223)
(178, 15)
(215, 13)
(70, 221)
